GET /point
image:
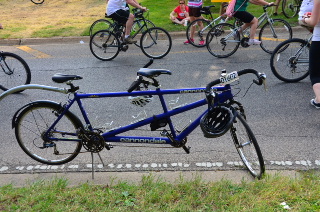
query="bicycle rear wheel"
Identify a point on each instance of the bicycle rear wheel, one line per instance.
(247, 147)
(223, 40)
(138, 29)
(155, 43)
(104, 45)
(272, 36)
(290, 60)
(101, 24)
(200, 28)
(14, 71)
(32, 124)
(290, 8)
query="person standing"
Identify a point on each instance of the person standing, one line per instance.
(314, 54)
(119, 11)
(194, 14)
(247, 18)
(180, 14)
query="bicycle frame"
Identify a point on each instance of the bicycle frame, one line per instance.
(172, 138)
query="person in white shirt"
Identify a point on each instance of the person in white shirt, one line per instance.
(119, 11)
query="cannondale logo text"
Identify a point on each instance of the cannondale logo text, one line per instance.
(143, 140)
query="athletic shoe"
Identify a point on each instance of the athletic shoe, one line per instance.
(253, 42)
(187, 41)
(316, 105)
(129, 40)
(202, 43)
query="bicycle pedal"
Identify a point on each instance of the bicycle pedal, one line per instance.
(186, 149)
(108, 146)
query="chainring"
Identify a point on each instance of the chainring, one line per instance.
(244, 42)
(92, 141)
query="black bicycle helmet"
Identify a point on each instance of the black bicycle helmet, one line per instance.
(217, 121)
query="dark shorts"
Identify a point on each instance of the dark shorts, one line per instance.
(244, 16)
(121, 16)
(195, 11)
(314, 65)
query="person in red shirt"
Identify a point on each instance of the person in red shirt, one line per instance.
(180, 15)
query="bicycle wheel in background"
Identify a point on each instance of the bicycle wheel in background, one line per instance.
(31, 125)
(247, 147)
(290, 60)
(155, 43)
(272, 37)
(137, 25)
(14, 71)
(223, 40)
(104, 45)
(199, 36)
(101, 24)
(37, 1)
(290, 8)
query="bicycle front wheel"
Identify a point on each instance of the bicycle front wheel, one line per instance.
(137, 28)
(14, 71)
(223, 40)
(290, 8)
(101, 24)
(272, 35)
(290, 60)
(37, 1)
(104, 45)
(155, 43)
(247, 147)
(32, 124)
(199, 28)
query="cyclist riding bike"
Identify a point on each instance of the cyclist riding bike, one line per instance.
(248, 19)
(119, 11)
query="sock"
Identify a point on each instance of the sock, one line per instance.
(126, 36)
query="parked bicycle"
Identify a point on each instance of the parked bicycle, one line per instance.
(51, 134)
(290, 8)
(14, 71)
(290, 60)
(155, 42)
(224, 39)
(105, 24)
(37, 1)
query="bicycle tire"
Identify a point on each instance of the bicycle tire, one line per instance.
(101, 24)
(37, 1)
(31, 124)
(199, 35)
(14, 71)
(223, 40)
(290, 8)
(104, 45)
(247, 147)
(137, 28)
(284, 62)
(155, 43)
(270, 41)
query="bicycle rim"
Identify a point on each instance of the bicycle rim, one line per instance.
(37, 1)
(14, 71)
(101, 24)
(247, 147)
(272, 36)
(155, 43)
(31, 125)
(199, 28)
(104, 45)
(137, 29)
(290, 60)
(290, 8)
(223, 40)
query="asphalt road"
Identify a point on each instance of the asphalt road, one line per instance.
(285, 125)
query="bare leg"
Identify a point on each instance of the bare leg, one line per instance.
(129, 24)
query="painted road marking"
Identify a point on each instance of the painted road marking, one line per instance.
(34, 52)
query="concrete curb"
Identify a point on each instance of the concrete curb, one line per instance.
(111, 178)
(86, 39)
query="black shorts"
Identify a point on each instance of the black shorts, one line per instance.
(121, 16)
(195, 11)
(244, 16)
